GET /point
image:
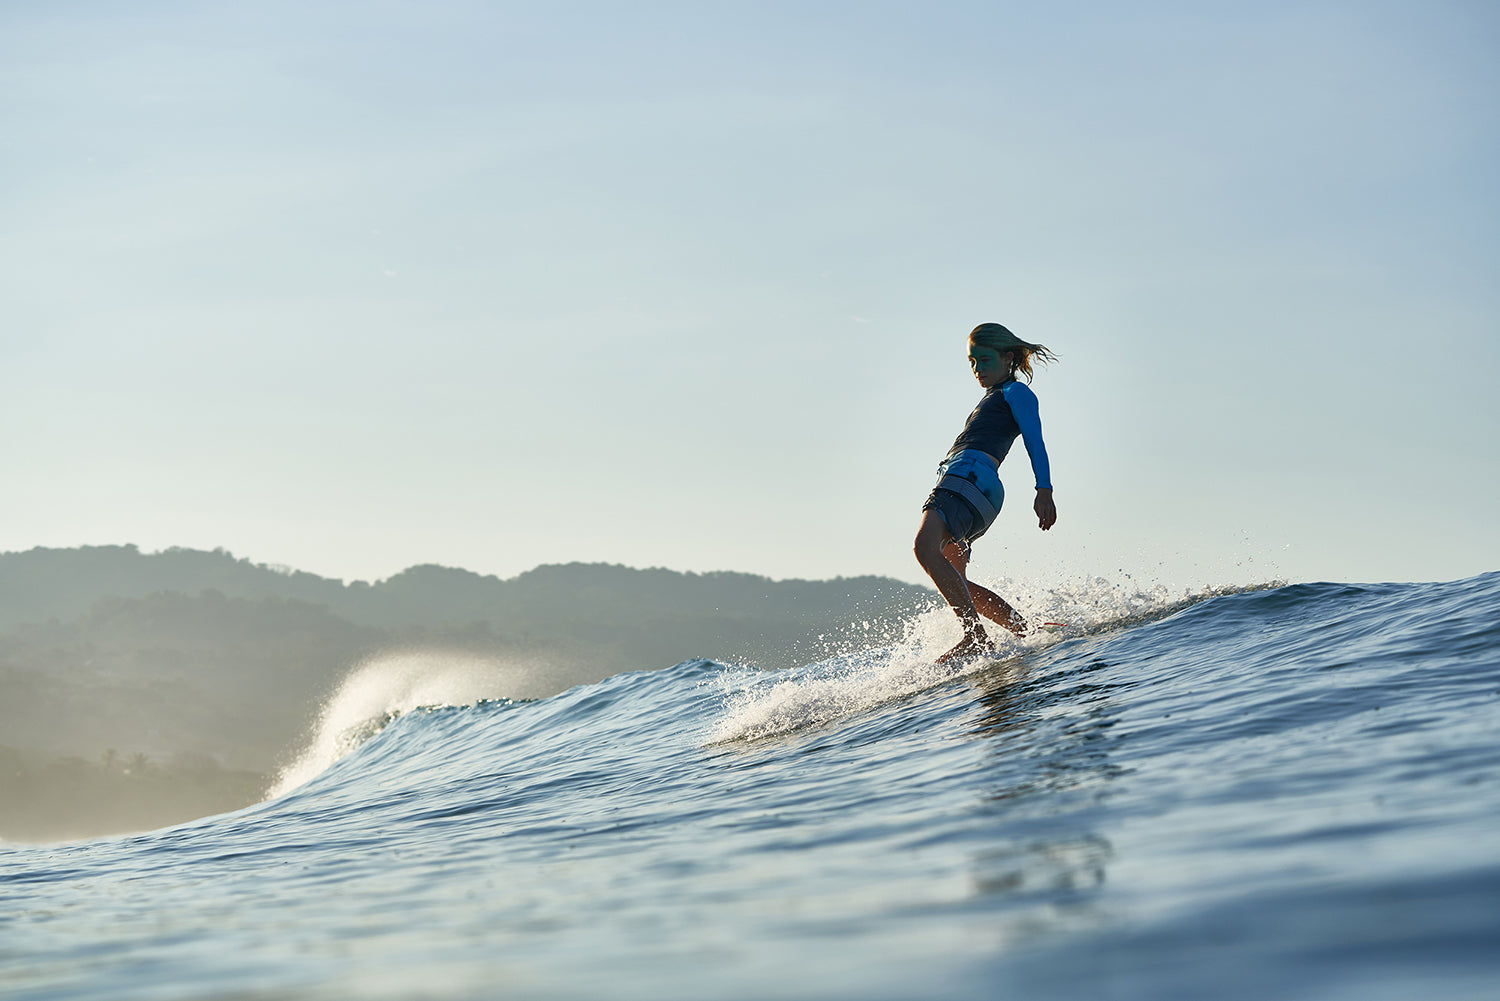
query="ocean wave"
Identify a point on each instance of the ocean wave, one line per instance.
(1286, 791)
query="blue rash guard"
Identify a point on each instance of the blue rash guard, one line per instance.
(1006, 411)
(968, 494)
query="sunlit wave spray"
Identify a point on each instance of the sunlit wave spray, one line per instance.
(382, 688)
(757, 706)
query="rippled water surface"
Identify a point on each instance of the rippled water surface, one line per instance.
(1289, 793)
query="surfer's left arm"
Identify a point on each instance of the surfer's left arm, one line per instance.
(1023, 406)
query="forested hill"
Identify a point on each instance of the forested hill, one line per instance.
(43, 584)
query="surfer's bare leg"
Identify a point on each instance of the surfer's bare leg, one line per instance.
(986, 602)
(932, 535)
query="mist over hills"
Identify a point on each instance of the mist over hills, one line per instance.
(142, 689)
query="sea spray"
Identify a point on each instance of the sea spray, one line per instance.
(760, 706)
(378, 690)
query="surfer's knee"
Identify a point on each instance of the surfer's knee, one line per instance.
(928, 545)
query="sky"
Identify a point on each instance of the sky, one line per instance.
(352, 286)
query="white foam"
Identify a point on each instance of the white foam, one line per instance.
(758, 706)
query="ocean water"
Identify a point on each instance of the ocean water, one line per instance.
(1285, 792)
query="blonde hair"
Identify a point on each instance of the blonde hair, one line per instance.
(998, 338)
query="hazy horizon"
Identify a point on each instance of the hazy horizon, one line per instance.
(351, 289)
(1245, 571)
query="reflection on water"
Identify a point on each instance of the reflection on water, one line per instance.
(1057, 868)
(1048, 757)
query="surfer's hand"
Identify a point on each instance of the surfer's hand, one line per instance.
(1046, 511)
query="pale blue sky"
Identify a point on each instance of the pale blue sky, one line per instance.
(352, 286)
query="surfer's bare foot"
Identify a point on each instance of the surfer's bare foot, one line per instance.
(974, 642)
(1016, 623)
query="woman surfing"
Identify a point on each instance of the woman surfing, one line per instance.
(968, 494)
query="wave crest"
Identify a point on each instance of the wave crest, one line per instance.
(380, 689)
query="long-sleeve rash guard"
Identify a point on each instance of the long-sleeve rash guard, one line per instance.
(1005, 411)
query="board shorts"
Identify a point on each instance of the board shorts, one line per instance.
(968, 494)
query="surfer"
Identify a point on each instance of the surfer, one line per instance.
(968, 494)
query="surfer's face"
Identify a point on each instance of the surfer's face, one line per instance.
(989, 366)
